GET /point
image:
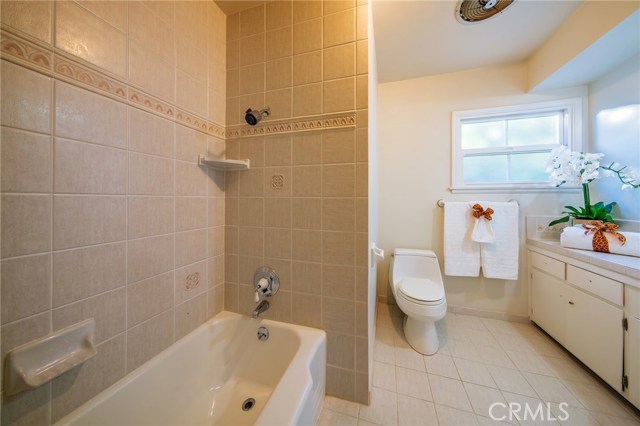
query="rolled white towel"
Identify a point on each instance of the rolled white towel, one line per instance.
(575, 237)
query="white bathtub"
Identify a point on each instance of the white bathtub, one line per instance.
(204, 378)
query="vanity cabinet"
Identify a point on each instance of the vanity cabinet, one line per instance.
(584, 311)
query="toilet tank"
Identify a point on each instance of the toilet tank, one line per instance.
(414, 263)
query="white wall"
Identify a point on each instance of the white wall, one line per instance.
(414, 157)
(614, 108)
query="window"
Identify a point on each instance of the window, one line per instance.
(507, 148)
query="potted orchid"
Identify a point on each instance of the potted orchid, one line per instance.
(578, 168)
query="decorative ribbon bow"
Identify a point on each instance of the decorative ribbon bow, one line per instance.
(600, 242)
(479, 211)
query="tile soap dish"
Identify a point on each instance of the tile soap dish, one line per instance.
(222, 163)
(39, 361)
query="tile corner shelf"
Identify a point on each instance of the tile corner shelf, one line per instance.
(222, 164)
(42, 360)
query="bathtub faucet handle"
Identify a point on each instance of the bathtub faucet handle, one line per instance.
(265, 282)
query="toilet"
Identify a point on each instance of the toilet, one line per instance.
(416, 283)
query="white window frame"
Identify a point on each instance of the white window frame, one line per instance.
(572, 128)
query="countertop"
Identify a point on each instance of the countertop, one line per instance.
(624, 265)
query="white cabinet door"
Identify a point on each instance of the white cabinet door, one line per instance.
(548, 304)
(632, 360)
(594, 334)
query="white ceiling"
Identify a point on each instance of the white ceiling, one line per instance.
(422, 37)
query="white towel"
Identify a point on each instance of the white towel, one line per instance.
(500, 258)
(461, 255)
(482, 231)
(574, 237)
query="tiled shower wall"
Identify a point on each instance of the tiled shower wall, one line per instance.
(302, 207)
(105, 212)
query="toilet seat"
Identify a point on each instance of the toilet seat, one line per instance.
(421, 290)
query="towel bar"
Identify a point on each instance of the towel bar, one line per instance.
(440, 202)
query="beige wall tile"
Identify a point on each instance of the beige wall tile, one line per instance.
(85, 272)
(341, 383)
(233, 27)
(247, 266)
(362, 395)
(362, 355)
(362, 91)
(361, 319)
(277, 243)
(277, 181)
(339, 28)
(339, 146)
(190, 315)
(148, 339)
(190, 179)
(215, 272)
(233, 82)
(232, 111)
(339, 61)
(71, 390)
(89, 117)
(26, 161)
(151, 71)
(26, 286)
(252, 21)
(362, 119)
(338, 315)
(149, 256)
(306, 245)
(165, 10)
(115, 13)
(306, 213)
(85, 220)
(338, 180)
(277, 212)
(231, 211)
(307, 100)
(250, 211)
(108, 310)
(23, 331)
(339, 95)
(362, 249)
(215, 300)
(191, 94)
(277, 150)
(306, 148)
(333, 6)
(362, 57)
(307, 68)
(341, 350)
(215, 241)
(307, 181)
(306, 310)
(31, 407)
(191, 19)
(282, 268)
(190, 58)
(362, 214)
(252, 50)
(278, 74)
(147, 216)
(150, 134)
(231, 297)
(82, 168)
(338, 214)
(361, 22)
(362, 180)
(84, 35)
(216, 183)
(362, 284)
(190, 281)
(233, 54)
(362, 145)
(279, 14)
(339, 281)
(189, 144)
(305, 10)
(306, 277)
(252, 183)
(252, 79)
(26, 224)
(250, 241)
(279, 43)
(191, 246)
(191, 213)
(151, 32)
(216, 211)
(31, 17)
(338, 248)
(307, 36)
(26, 98)
(253, 149)
(280, 309)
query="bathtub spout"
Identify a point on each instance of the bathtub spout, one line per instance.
(262, 307)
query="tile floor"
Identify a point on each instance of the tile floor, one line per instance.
(481, 361)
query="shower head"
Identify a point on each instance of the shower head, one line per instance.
(253, 116)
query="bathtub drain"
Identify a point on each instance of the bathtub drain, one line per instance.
(248, 404)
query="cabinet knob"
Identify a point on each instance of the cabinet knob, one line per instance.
(570, 302)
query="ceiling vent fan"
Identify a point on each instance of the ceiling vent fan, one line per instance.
(473, 11)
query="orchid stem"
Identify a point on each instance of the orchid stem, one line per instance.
(587, 199)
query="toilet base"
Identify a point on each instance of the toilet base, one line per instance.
(421, 335)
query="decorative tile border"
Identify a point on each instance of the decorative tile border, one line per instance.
(36, 55)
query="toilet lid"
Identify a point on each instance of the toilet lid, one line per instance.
(422, 289)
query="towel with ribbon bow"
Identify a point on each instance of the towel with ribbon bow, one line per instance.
(600, 242)
(482, 229)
